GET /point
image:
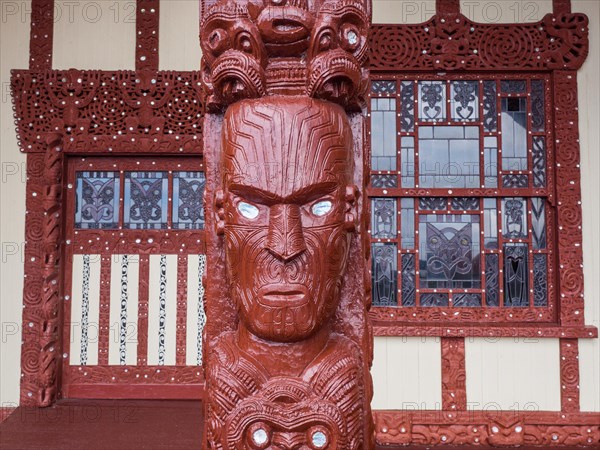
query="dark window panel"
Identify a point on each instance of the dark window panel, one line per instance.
(408, 280)
(538, 223)
(490, 110)
(492, 279)
(515, 181)
(433, 203)
(432, 100)
(516, 275)
(383, 87)
(384, 181)
(407, 108)
(385, 272)
(465, 204)
(431, 300)
(146, 200)
(188, 208)
(383, 218)
(539, 161)
(540, 280)
(514, 217)
(465, 101)
(97, 200)
(466, 300)
(513, 86)
(538, 109)
(449, 251)
(514, 134)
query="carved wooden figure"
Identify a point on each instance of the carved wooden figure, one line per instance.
(287, 338)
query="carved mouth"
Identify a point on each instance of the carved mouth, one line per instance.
(283, 295)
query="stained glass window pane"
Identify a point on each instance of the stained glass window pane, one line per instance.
(464, 101)
(408, 161)
(146, 200)
(466, 300)
(490, 223)
(384, 181)
(540, 280)
(516, 275)
(514, 134)
(383, 134)
(407, 101)
(432, 101)
(432, 300)
(407, 217)
(490, 106)
(188, 191)
(97, 200)
(385, 272)
(513, 86)
(408, 280)
(465, 204)
(515, 181)
(538, 223)
(492, 279)
(383, 87)
(538, 113)
(539, 161)
(449, 251)
(433, 203)
(514, 217)
(383, 218)
(490, 161)
(449, 157)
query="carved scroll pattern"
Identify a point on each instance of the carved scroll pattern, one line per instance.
(569, 375)
(101, 112)
(40, 357)
(453, 42)
(454, 377)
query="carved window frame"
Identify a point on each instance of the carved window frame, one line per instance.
(451, 47)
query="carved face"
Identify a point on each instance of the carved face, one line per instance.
(287, 206)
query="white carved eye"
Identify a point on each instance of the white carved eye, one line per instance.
(260, 437)
(321, 208)
(319, 439)
(247, 210)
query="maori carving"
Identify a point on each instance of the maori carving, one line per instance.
(104, 112)
(286, 360)
(41, 290)
(287, 235)
(453, 42)
(41, 36)
(316, 48)
(497, 429)
(146, 46)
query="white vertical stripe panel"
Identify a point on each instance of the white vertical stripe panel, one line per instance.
(77, 309)
(132, 281)
(589, 375)
(132, 309)
(94, 35)
(193, 297)
(407, 373)
(154, 310)
(76, 296)
(94, 310)
(513, 374)
(179, 46)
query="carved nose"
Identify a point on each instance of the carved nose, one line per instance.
(285, 239)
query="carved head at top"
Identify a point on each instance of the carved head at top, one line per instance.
(286, 209)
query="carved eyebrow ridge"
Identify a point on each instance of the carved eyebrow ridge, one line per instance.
(303, 195)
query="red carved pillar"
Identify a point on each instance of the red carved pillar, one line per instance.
(288, 344)
(40, 358)
(146, 38)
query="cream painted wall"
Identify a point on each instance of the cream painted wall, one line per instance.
(406, 371)
(15, 18)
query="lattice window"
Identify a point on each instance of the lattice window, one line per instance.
(461, 198)
(135, 256)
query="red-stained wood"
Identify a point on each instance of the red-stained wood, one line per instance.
(143, 299)
(180, 338)
(146, 37)
(454, 377)
(41, 34)
(569, 375)
(445, 7)
(104, 319)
